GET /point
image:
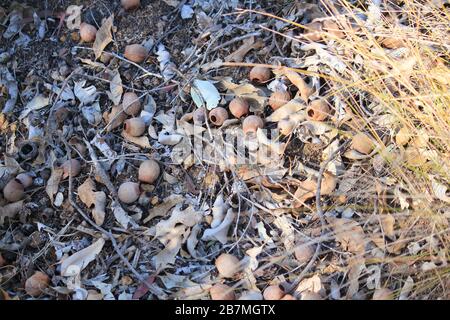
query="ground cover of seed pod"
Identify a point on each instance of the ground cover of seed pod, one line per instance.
(224, 150)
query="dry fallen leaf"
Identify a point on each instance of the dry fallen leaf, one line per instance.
(74, 264)
(141, 141)
(90, 197)
(162, 209)
(10, 211)
(103, 37)
(220, 233)
(305, 90)
(53, 182)
(247, 45)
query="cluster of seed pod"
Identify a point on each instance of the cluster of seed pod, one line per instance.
(149, 171)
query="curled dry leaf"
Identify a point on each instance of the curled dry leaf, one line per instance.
(73, 265)
(387, 222)
(220, 233)
(312, 284)
(115, 88)
(103, 37)
(305, 90)
(172, 244)
(90, 197)
(193, 240)
(247, 45)
(218, 211)
(349, 234)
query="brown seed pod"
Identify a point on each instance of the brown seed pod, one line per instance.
(313, 31)
(331, 27)
(362, 143)
(149, 171)
(383, 294)
(13, 191)
(310, 295)
(114, 118)
(218, 115)
(279, 99)
(25, 179)
(286, 126)
(131, 104)
(134, 127)
(260, 74)
(303, 253)
(71, 168)
(273, 292)
(221, 291)
(227, 265)
(251, 124)
(199, 116)
(238, 107)
(288, 297)
(130, 4)
(318, 110)
(2, 261)
(35, 284)
(128, 192)
(87, 32)
(136, 53)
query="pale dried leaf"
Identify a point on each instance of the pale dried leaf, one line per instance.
(74, 264)
(115, 88)
(349, 234)
(89, 197)
(38, 102)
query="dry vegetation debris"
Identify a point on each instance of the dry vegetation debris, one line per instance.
(224, 150)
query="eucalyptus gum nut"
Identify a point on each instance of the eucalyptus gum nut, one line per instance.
(238, 107)
(218, 115)
(251, 124)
